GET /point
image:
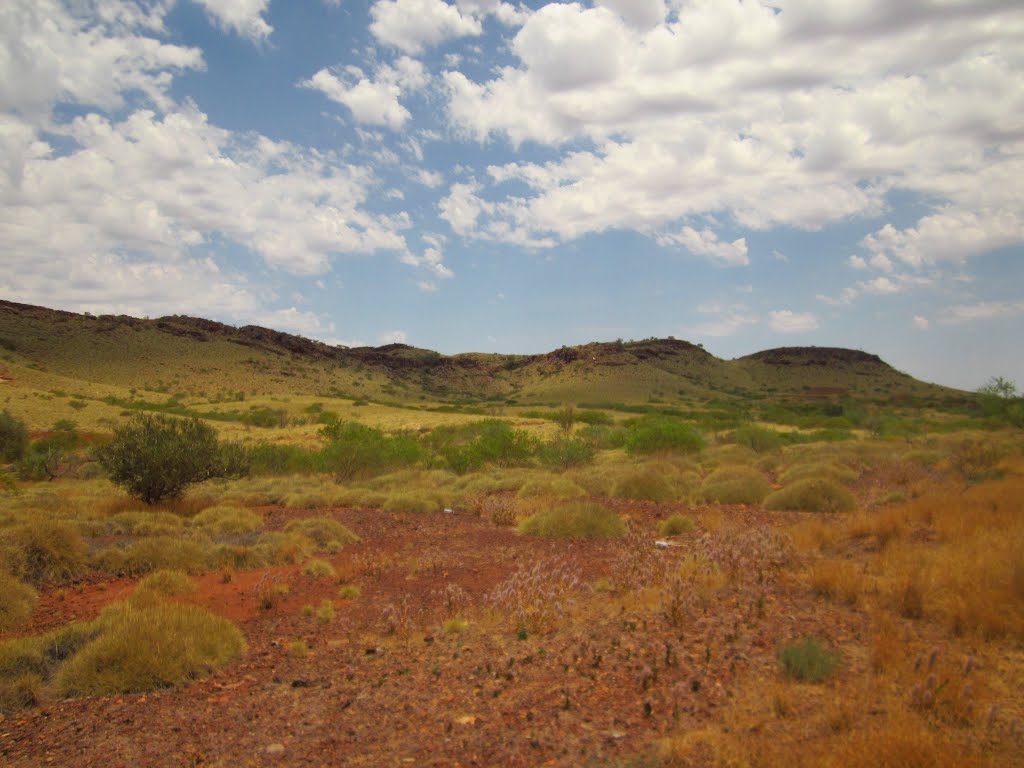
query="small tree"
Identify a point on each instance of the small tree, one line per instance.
(13, 438)
(158, 457)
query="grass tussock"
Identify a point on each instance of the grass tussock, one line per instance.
(808, 660)
(227, 521)
(550, 487)
(837, 580)
(144, 523)
(581, 520)
(645, 484)
(44, 552)
(814, 470)
(328, 534)
(144, 648)
(675, 525)
(319, 569)
(812, 496)
(156, 553)
(410, 503)
(164, 583)
(17, 601)
(735, 485)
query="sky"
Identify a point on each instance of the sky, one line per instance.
(490, 176)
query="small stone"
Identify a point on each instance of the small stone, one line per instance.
(274, 749)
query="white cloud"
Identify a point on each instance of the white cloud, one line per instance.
(244, 17)
(432, 179)
(394, 337)
(982, 310)
(706, 243)
(728, 321)
(431, 260)
(787, 321)
(412, 25)
(921, 323)
(427, 286)
(372, 101)
(798, 115)
(857, 262)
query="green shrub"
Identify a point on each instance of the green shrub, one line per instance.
(325, 532)
(656, 434)
(808, 660)
(674, 525)
(141, 648)
(44, 551)
(758, 439)
(17, 600)
(579, 520)
(227, 521)
(157, 457)
(13, 438)
(812, 496)
(356, 450)
(410, 503)
(646, 484)
(284, 459)
(565, 452)
(468, 447)
(735, 485)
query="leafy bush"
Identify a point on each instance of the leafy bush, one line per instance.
(645, 485)
(157, 457)
(655, 434)
(13, 438)
(283, 459)
(565, 452)
(141, 648)
(758, 439)
(674, 525)
(491, 441)
(16, 601)
(579, 520)
(812, 496)
(356, 450)
(325, 532)
(44, 551)
(227, 521)
(735, 485)
(808, 660)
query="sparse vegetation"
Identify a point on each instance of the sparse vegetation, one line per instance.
(735, 485)
(579, 520)
(812, 496)
(808, 660)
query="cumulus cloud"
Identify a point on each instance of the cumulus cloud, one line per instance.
(372, 100)
(412, 25)
(788, 321)
(727, 321)
(243, 17)
(982, 310)
(795, 116)
(921, 323)
(706, 243)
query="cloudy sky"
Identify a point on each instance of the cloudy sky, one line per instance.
(480, 175)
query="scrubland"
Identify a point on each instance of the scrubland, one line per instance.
(534, 586)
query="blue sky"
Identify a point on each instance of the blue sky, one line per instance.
(481, 175)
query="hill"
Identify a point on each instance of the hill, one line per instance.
(197, 358)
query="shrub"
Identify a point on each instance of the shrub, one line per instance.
(818, 471)
(164, 583)
(13, 438)
(356, 450)
(812, 496)
(758, 439)
(155, 553)
(227, 521)
(325, 532)
(808, 660)
(557, 487)
(325, 611)
(145, 524)
(580, 520)
(565, 452)
(318, 568)
(16, 601)
(735, 485)
(654, 434)
(410, 503)
(44, 551)
(491, 441)
(275, 459)
(349, 591)
(157, 457)
(674, 525)
(645, 485)
(143, 648)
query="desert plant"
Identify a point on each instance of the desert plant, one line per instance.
(324, 531)
(808, 660)
(565, 452)
(552, 486)
(356, 450)
(655, 434)
(140, 648)
(349, 591)
(163, 583)
(227, 521)
(318, 568)
(735, 485)
(812, 496)
(13, 438)
(758, 439)
(579, 520)
(410, 503)
(157, 457)
(44, 551)
(645, 484)
(674, 525)
(155, 553)
(16, 601)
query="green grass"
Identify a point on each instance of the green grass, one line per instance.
(579, 520)
(808, 660)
